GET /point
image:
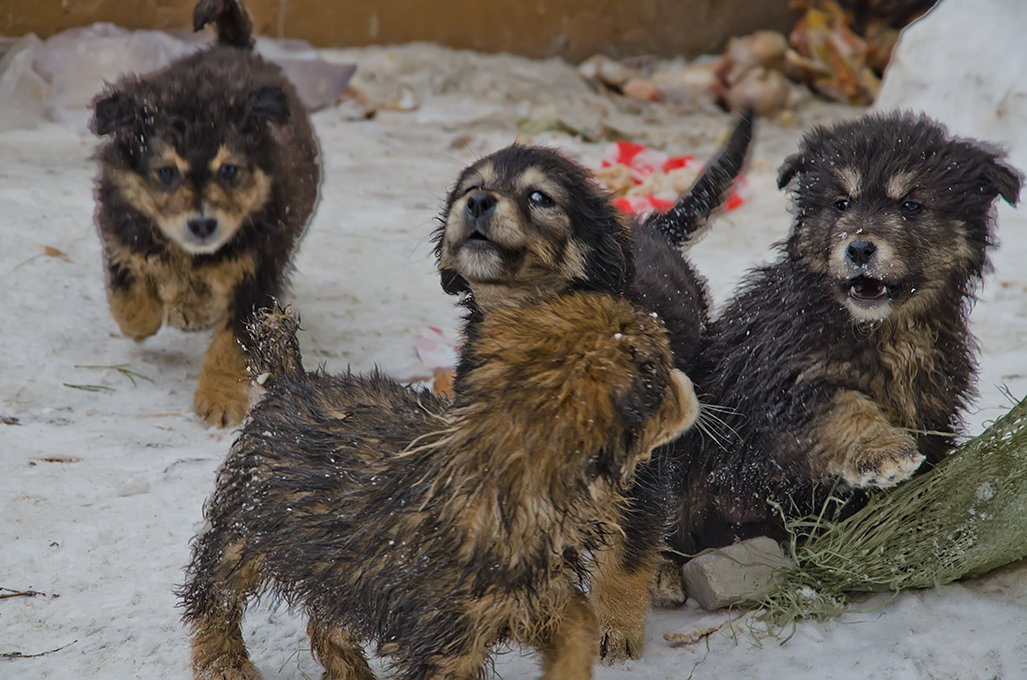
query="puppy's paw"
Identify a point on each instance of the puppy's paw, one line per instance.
(620, 644)
(882, 459)
(138, 316)
(667, 589)
(231, 669)
(222, 403)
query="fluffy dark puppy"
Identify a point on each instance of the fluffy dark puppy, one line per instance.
(208, 175)
(436, 531)
(526, 223)
(850, 356)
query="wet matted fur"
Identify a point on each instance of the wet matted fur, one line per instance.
(208, 175)
(436, 531)
(526, 223)
(848, 358)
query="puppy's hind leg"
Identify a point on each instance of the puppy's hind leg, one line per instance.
(222, 395)
(218, 651)
(215, 598)
(342, 657)
(572, 645)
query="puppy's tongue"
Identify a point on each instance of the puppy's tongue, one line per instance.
(865, 288)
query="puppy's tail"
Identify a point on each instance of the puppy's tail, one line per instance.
(233, 23)
(683, 223)
(274, 351)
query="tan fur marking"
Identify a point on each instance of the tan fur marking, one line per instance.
(193, 296)
(232, 206)
(161, 206)
(620, 599)
(218, 650)
(535, 178)
(224, 155)
(137, 309)
(856, 442)
(571, 650)
(899, 185)
(904, 350)
(851, 180)
(222, 395)
(342, 657)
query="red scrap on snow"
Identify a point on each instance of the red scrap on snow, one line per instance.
(643, 162)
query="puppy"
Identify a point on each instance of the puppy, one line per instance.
(208, 174)
(525, 224)
(436, 531)
(848, 358)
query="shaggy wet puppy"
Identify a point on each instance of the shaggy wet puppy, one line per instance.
(436, 531)
(525, 224)
(848, 358)
(208, 175)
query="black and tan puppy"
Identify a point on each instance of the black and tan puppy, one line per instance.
(849, 357)
(526, 223)
(208, 175)
(436, 531)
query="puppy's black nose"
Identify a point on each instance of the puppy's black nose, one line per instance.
(860, 252)
(479, 203)
(202, 227)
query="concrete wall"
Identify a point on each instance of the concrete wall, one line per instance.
(574, 29)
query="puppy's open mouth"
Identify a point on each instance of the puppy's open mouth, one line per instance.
(477, 236)
(866, 289)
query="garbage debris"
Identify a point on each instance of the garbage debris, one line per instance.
(643, 179)
(837, 50)
(58, 78)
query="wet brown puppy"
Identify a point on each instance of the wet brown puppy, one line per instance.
(208, 175)
(436, 531)
(849, 357)
(525, 223)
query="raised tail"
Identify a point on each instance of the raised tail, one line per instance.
(682, 223)
(274, 351)
(233, 23)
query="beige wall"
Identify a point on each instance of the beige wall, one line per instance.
(574, 29)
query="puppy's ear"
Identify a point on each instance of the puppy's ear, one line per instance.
(635, 403)
(1006, 181)
(610, 266)
(111, 111)
(792, 166)
(270, 103)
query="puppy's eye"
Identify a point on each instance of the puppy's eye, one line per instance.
(168, 174)
(539, 199)
(227, 172)
(910, 207)
(841, 205)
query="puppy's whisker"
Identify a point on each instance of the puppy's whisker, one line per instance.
(716, 429)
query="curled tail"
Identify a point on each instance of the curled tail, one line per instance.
(690, 214)
(233, 23)
(274, 351)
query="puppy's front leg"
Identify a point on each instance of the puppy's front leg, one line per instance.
(620, 598)
(222, 395)
(855, 441)
(134, 304)
(570, 649)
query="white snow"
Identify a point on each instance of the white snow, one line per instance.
(103, 526)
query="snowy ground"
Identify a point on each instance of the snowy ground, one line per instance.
(100, 491)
